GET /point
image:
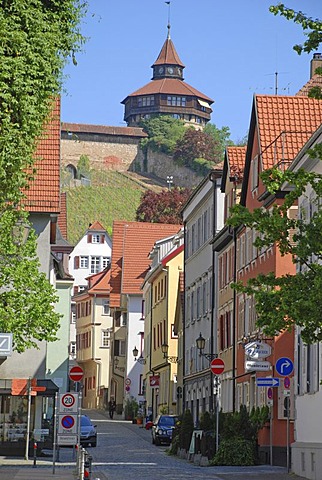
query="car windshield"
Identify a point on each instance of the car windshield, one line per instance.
(168, 421)
(85, 422)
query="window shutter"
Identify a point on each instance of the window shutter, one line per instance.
(116, 348)
(76, 262)
(89, 238)
(75, 290)
(102, 238)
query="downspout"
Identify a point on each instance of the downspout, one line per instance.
(184, 319)
(234, 318)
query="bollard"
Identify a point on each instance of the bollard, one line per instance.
(87, 466)
(35, 455)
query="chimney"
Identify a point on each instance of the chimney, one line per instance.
(316, 62)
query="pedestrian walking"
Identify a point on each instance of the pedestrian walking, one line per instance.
(111, 407)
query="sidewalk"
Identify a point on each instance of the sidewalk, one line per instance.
(20, 469)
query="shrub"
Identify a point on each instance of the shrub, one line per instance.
(235, 451)
(186, 430)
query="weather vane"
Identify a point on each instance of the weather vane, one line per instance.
(169, 4)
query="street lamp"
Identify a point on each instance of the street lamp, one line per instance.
(169, 181)
(164, 349)
(135, 354)
(201, 342)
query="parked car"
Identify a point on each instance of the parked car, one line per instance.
(162, 429)
(88, 433)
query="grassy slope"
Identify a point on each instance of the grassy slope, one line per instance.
(111, 196)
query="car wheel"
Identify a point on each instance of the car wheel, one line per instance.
(157, 441)
(93, 444)
(153, 441)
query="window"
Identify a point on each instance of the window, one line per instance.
(146, 101)
(105, 339)
(176, 101)
(119, 348)
(106, 307)
(83, 262)
(72, 349)
(124, 319)
(255, 173)
(105, 262)
(95, 264)
(96, 238)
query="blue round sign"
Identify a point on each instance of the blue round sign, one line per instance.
(67, 421)
(284, 366)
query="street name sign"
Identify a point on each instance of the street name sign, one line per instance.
(67, 439)
(257, 366)
(267, 381)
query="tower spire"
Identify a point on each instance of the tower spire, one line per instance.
(169, 25)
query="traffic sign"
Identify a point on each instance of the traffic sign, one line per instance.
(267, 381)
(270, 393)
(76, 373)
(217, 366)
(67, 424)
(284, 366)
(287, 382)
(67, 439)
(257, 366)
(68, 402)
(127, 381)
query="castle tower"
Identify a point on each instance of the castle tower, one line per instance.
(167, 93)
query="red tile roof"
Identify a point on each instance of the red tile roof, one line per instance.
(169, 86)
(44, 192)
(168, 55)
(97, 226)
(236, 160)
(100, 282)
(62, 217)
(103, 129)
(132, 243)
(284, 125)
(315, 81)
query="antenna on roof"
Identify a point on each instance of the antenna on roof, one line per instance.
(276, 80)
(168, 26)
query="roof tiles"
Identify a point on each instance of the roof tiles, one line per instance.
(171, 86)
(132, 243)
(103, 129)
(236, 159)
(44, 192)
(284, 125)
(168, 55)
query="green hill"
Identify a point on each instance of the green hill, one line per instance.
(111, 196)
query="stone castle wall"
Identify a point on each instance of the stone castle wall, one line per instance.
(123, 154)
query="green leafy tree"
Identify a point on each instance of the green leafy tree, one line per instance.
(221, 137)
(163, 133)
(289, 300)
(83, 166)
(162, 207)
(36, 40)
(312, 28)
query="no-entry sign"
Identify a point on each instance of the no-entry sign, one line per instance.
(76, 373)
(217, 366)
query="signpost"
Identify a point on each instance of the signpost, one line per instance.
(267, 381)
(284, 366)
(76, 373)
(257, 366)
(217, 366)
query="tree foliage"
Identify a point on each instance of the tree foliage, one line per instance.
(197, 144)
(163, 207)
(312, 28)
(282, 302)
(221, 137)
(36, 40)
(163, 133)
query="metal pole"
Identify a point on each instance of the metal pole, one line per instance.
(28, 420)
(288, 436)
(271, 436)
(55, 432)
(217, 412)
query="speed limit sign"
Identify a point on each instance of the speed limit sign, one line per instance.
(68, 402)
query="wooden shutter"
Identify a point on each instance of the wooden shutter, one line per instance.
(89, 238)
(102, 238)
(76, 262)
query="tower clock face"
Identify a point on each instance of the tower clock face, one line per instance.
(170, 70)
(161, 69)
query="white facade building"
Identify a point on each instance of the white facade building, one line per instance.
(203, 217)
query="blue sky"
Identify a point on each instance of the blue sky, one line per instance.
(231, 50)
